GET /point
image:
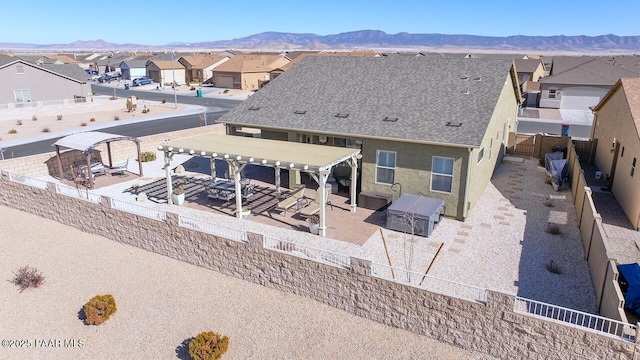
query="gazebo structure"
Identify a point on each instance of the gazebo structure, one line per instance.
(87, 142)
(316, 160)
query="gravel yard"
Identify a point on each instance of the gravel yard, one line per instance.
(163, 302)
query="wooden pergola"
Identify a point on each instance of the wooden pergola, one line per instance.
(87, 142)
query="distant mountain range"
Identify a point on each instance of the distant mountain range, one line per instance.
(372, 39)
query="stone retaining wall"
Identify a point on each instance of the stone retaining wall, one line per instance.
(492, 328)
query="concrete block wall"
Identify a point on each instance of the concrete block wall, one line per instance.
(492, 328)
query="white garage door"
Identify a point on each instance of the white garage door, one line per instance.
(580, 98)
(225, 81)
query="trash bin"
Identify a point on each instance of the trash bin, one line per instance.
(565, 129)
(126, 86)
(199, 93)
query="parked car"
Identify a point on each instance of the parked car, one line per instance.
(142, 81)
(110, 76)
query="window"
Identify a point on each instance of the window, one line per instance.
(442, 174)
(552, 93)
(622, 153)
(22, 96)
(19, 69)
(385, 167)
(480, 155)
(633, 167)
(490, 148)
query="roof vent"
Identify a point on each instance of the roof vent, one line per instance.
(342, 115)
(465, 77)
(478, 78)
(300, 112)
(467, 91)
(453, 124)
(390, 119)
(254, 108)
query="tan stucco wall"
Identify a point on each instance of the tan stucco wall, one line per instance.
(251, 81)
(614, 121)
(413, 171)
(42, 85)
(494, 142)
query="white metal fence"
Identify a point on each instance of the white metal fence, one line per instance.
(598, 323)
(430, 283)
(37, 183)
(307, 252)
(134, 208)
(213, 228)
(78, 193)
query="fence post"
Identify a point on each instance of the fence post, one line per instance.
(106, 202)
(255, 240)
(360, 266)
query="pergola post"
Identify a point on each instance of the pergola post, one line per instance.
(277, 170)
(139, 157)
(212, 162)
(167, 171)
(109, 154)
(354, 182)
(323, 175)
(89, 172)
(60, 171)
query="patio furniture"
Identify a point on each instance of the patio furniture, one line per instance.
(120, 169)
(296, 196)
(247, 192)
(314, 206)
(245, 181)
(342, 175)
(226, 195)
(213, 194)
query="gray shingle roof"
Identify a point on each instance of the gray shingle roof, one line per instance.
(72, 71)
(423, 93)
(527, 65)
(592, 72)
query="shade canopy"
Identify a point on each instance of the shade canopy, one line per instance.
(277, 153)
(90, 139)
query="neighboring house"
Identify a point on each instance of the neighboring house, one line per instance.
(24, 82)
(64, 59)
(247, 72)
(229, 53)
(436, 126)
(39, 60)
(134, 68)
(163, 71)
(200, 66)
(529, 70)
(616, 128)
(579, 83)
(110, 62)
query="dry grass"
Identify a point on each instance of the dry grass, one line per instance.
(28, 277)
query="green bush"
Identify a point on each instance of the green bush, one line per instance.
(208, 346)
(164, 101)
(99, 309)
(148, 156)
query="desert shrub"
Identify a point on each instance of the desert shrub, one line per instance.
(59, 117)
(541, 162)
(99, 309)
(83, 124)
(148, 156)
(553, 229)
(195, 81)
(549, 203)
(208, 346)
(193, 88)
(46, 130)
(93, 92)
(28, 277)
(547, 180)
(137, 97)
(116, 118)
(13, 131)
(18, 122)
(34, 118)
(92, 119)
(164, 101)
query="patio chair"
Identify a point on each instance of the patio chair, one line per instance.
(296, 196)
(247, 192)
(120, 168)
(245, 181)
(213, 194)
(314, 206)
(226, 195)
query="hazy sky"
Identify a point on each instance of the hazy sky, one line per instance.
(161, 22)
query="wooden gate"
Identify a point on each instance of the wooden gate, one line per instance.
(584, 150)
(523, 145)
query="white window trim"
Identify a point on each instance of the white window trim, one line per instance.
(555, 94)
(395, 155)
(439, 174)
(22, 91)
